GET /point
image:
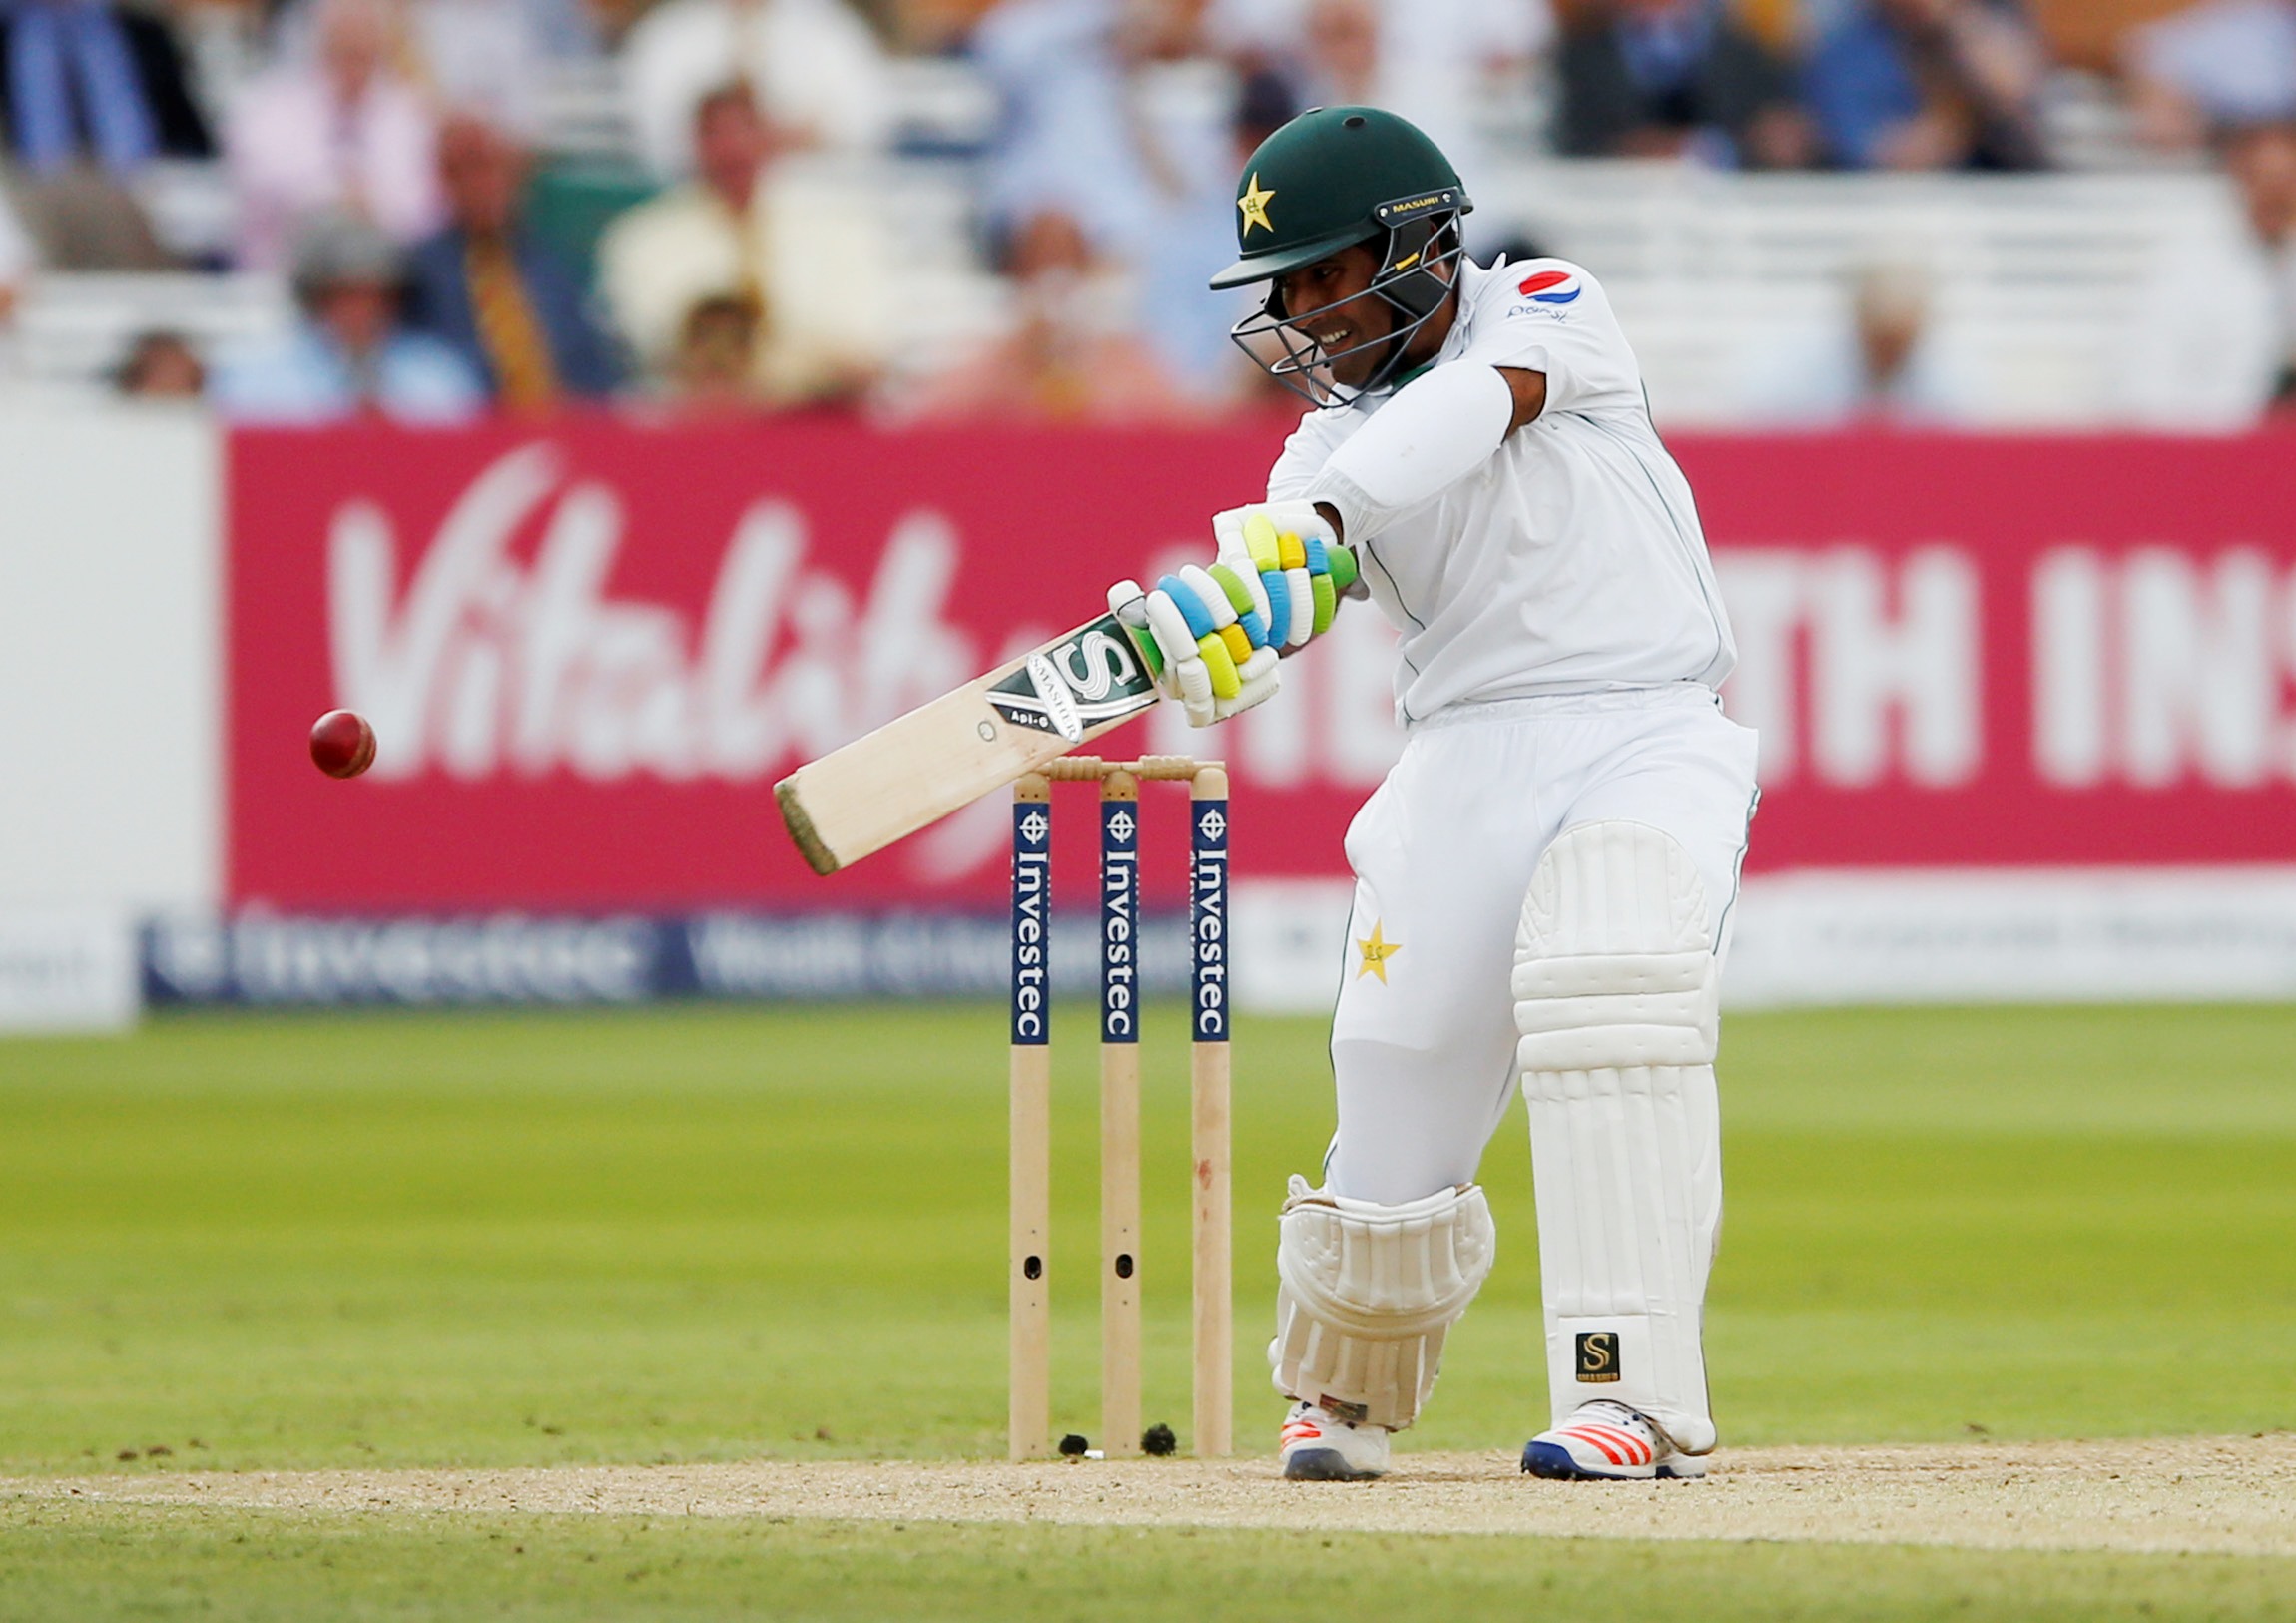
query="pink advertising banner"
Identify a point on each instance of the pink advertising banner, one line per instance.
(589, 650)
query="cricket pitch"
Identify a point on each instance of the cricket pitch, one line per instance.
(2223, 1496)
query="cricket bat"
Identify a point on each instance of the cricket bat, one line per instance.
(918, 768)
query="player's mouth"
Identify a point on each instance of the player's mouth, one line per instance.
(1332, 339)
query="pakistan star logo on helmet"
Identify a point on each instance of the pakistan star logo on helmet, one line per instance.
(1253, 203)
(1347, 175)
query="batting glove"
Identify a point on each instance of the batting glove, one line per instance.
(1214, 636)
(1301, 569)
(1198, 643)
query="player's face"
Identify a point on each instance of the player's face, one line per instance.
(1351, 318)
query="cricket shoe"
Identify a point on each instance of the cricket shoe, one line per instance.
(1316, 1448)
(1608, 1442)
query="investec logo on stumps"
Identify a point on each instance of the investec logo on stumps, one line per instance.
(1119, 918)
(1208, 920)
(1032, 913)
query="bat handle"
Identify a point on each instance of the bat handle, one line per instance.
(1130, 604)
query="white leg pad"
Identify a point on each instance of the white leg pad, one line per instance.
(1368, 1294)
(1616, 991)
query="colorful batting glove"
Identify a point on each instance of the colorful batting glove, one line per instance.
(1192, 634)
(1213, 636)
(1303, 571)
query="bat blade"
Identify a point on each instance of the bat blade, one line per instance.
(947, 753)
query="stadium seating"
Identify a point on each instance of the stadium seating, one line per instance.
(73, 329)
(2033, 276)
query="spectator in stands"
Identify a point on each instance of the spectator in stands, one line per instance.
(2211, 325)
(2217, 64)
(91, 93)
(613, 20)
(1676, 79)
(1342, 41)
(816, 72)
(714, 372)
(1881, 365)
(805, 250)
(1114, 118)
(161, 365)
(1069, 358)
(493, 292)
(1429, 59)
(2261, 159)
(1927, 84)
(18, 259)
(1069, 135)
(1187, 325)
(349, 356)
(344, 131)
(492, 54)
(489, 55)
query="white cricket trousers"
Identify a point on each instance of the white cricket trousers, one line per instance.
(1424, 1041)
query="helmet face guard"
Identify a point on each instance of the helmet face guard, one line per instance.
(1418, 271)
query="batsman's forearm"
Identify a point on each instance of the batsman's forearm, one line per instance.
(1434, 433)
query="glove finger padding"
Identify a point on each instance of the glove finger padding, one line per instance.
(1211, 607)
(1299, 591)
(1217, 631)
(1174, 636)
(1218, 657)
(1287, 557)
(1259, 679)
(1279, 591)
(1244, 556)
(1195, 695)
(1184, 672)
(1249, 602)
(1298, 517)
(1250, 541)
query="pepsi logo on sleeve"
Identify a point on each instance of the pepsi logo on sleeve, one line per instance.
(1549, 288)
(1549, 294)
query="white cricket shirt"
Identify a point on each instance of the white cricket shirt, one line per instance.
(1572, 560)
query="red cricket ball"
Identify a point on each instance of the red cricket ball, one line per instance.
(341, 744)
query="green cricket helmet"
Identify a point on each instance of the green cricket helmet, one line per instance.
(1332, 177)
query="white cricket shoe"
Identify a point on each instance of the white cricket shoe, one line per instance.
(1606, 1442)
(1316, 1448)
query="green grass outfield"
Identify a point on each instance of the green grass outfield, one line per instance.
(705, 1235)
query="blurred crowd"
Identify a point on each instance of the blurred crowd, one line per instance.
(385, 159)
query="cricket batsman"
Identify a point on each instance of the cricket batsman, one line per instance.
(1543, 883)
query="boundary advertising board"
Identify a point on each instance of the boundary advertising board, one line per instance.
(588, 652)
